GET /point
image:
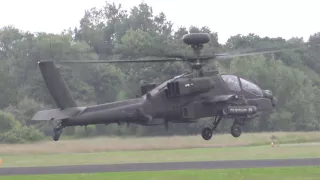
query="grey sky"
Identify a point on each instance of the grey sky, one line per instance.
(273, 18)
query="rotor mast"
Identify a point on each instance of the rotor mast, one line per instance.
(198, 64)
(196, 41)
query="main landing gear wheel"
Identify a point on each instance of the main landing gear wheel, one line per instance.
(56, 133)
(206, 133)
(236, 130)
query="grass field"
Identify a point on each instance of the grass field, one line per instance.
(104, 144)
(159, 149)
(179, 155)
(296, 173)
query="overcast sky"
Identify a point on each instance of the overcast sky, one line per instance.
(273, 18)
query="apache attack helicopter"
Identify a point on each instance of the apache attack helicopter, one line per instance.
(183, 99)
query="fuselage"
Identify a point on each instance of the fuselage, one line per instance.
(156, 105)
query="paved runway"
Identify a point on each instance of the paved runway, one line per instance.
(159, 166)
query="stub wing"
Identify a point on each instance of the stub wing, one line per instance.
(221, 98)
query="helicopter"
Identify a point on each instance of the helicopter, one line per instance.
(185, 98)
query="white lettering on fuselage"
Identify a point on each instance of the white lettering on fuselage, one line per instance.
(238, 110)
(188, 85)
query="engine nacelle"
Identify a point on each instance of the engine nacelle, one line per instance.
(188, 86)
(147, 87)
(240, 110)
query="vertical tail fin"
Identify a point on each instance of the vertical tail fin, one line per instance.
(56, 85)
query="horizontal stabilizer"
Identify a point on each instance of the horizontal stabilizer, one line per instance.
(56, 114)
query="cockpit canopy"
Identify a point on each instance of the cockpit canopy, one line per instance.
(233, 83)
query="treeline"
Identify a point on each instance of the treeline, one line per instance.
(110, 32)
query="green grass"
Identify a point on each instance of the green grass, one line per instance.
(103, 144)
(197, 154)
(296, 173)
(113, 150)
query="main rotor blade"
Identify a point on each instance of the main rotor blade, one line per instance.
(124, 61)
(255, 52)
(177, 57)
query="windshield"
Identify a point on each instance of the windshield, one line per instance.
(250, 87)
(232, 82)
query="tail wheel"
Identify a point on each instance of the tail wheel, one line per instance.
(56, 133)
